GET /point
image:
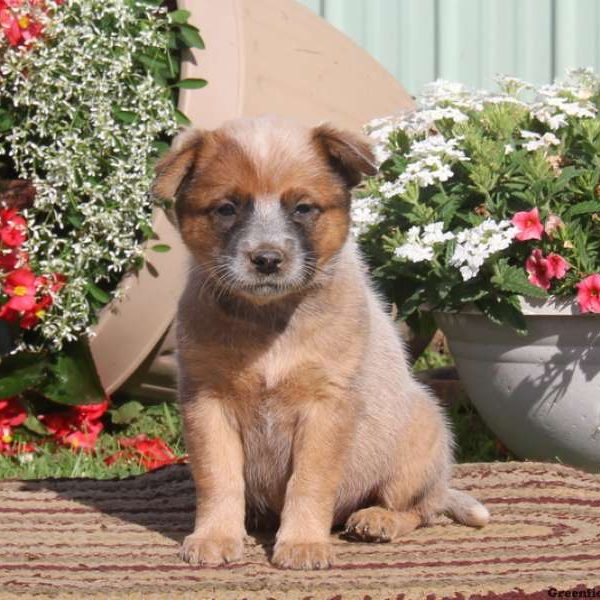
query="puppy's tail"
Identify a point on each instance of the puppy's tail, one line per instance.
(466, 510)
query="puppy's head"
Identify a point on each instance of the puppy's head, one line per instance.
(263, 203)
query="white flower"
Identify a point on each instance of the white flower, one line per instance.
(419, 247)
(508, 148)
(475, 245)
(389, 189)
(511, 85)
(436, 145)
(433, 234)
(414, 252)
(379, 130)
(365, 213)
(537, 141)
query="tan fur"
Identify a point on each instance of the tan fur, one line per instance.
(302, 405)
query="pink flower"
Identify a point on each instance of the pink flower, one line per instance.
(588, 293)
(529, 225)
(557, 265)
(539, 269)
(553, 223)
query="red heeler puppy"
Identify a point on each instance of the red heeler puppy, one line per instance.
(294, 388)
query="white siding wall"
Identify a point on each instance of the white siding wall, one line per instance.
(470, 40)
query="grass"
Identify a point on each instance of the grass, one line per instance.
(474, 441)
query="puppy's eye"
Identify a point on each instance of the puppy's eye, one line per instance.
(227, 209)
(303, 208)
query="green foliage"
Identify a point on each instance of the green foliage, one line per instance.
(67, 377)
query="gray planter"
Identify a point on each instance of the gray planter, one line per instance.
(539, 393)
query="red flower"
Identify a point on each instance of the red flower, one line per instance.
(58, 282)
(588, 293)
(149, 452)
(10, 26)
(529, 225)
(10, 260)
(79, 426)
(85, 438)
(20, 286)
(557, 265)
(9, 447)
(18, 29)
(12, 413)
(13, 228)
(33, 316)
(8, 314)
(539, 269)
(91, 412)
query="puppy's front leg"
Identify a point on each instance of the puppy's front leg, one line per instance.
(216, 461)
(319, 452)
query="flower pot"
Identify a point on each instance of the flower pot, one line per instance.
(268, 56)
(539, 393)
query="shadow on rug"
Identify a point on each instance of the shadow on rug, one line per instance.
(119, 538)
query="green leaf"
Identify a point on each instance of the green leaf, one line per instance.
(6, 121)
(412, 303)
(126, 413)
(161, 147)
(153, 64)
(21, 372)
(148, 232)
(190, 36)
(160, 248)
(583, 208)
(190, 84)
(181, 118)
(98, 293)
(514, 279)
(179, 16)
(125, 116)
(73, 378)
(34, 424)
(75, 219)
(503, 312)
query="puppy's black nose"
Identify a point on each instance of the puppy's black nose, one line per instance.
(266, 261)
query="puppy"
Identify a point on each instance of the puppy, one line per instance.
(294, 389)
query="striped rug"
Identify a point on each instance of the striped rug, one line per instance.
(119, 539)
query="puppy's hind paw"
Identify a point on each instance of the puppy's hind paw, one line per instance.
(303, 555)
(378, 524)
(211, 551)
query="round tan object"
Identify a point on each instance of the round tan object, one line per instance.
(261, 57)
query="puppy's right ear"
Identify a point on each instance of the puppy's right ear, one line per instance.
(173, 168)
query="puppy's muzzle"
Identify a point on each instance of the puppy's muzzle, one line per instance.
(267, 260)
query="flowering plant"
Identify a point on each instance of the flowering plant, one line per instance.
(87, 104)
(484, 198)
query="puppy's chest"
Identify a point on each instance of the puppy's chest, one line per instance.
(267, 437)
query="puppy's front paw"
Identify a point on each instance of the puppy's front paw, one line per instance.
(303, 555)
(211, 551)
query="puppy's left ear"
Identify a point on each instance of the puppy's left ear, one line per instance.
(348, 154)
(173, 168)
